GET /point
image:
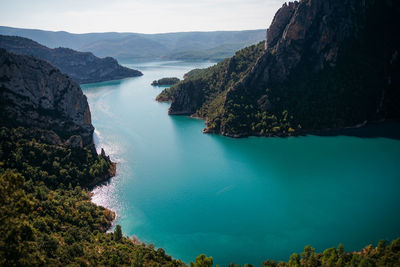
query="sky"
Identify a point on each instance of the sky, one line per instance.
(144, 16)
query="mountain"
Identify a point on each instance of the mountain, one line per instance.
(34, 93)
(326, 65)
(135, 46)
(83, 67)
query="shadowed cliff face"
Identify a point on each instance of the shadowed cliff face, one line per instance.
(83, 67)
(34, 93)
(327, 64)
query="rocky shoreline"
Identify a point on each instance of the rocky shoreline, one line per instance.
(369, 129)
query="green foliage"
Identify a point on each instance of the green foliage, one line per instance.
(43, 222)
(294, 260)
(117, 233)
(35, 156)
(202, 261)
(165, 81)
(214, 82)
(382, 255)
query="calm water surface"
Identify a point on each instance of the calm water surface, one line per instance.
(241, 200)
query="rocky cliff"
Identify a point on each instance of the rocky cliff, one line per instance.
(327, 64)
(202, 90)
(35, 94)
(83, 67)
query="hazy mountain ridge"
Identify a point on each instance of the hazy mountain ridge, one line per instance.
(83, 67)
(135, 46)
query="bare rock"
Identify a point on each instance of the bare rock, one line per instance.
(35, 94)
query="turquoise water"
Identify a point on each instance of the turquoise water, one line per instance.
(241, 200)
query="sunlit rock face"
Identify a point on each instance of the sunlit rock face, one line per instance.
(34, 93)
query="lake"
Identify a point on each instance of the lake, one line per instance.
(240, 200)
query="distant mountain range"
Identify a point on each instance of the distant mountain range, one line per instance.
(136, 46)
(83, 67)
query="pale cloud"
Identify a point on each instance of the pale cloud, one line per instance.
(146, 16)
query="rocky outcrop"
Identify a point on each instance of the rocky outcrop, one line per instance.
(35, 94)
(202, 90)
(188, 98)
(83, 67)
(279, 23)
(327, 64)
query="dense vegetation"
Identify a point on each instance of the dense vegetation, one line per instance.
(47, 218)
(213, 83)
(34, 154)
(385, 254)
(165, 81)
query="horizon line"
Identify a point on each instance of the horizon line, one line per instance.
(194, 31)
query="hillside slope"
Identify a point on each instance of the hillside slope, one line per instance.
(327, 64)
(202, 92)
(83, 67)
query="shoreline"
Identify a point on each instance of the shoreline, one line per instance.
(374, 129)
(102, 180)
(110, 214)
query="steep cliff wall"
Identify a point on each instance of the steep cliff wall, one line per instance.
(34, 93)
(202, 90)
(328, 64)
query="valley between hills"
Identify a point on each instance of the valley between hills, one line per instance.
(322, 68)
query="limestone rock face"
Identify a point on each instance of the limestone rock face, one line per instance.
(35, 94)
(279, 23)
(188, 99)
(310, 28)
(83, 67)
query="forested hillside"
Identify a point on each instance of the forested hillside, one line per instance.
(312, 76)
